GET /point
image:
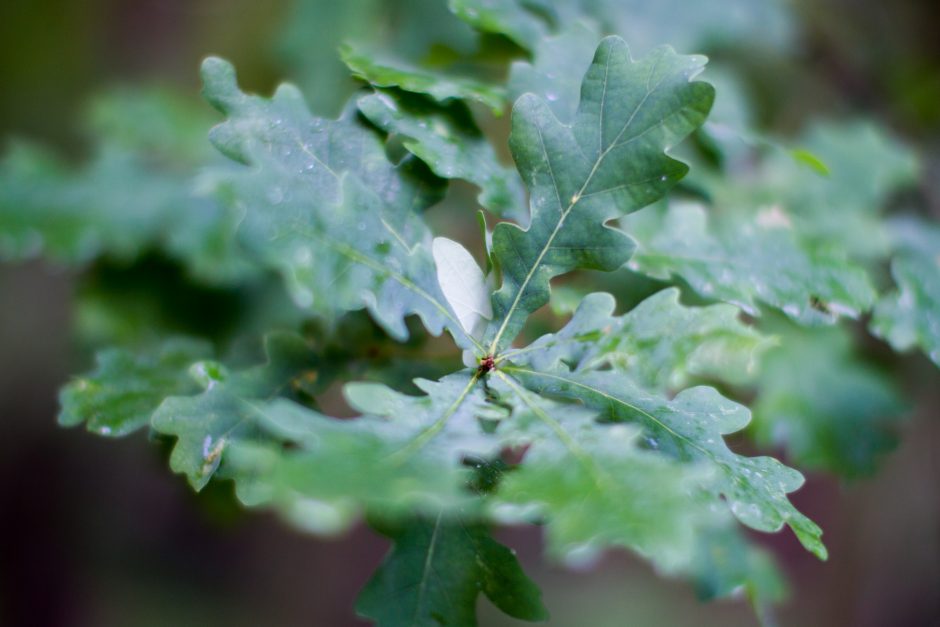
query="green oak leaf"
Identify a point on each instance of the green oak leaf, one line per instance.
(119, 396)
(205, 425)
(321, 200)
(609, 162)
(829, 409)
(690, 427)
(910, 315)
(447, 139)
(660, 343)
(595, 488)
(743, 262)
(644, 24)
(403, 454)
(440, 86)
(436, 570)
(136, 193)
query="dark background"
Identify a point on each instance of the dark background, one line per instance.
(100, 533)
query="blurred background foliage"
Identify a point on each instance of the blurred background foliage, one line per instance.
(96, 92)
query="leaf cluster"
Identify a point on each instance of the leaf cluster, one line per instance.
(610, 431)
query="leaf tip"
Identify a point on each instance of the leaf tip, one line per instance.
(219, 83)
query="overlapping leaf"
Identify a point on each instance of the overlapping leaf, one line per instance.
(745, 262)
(120, 395)
(660, 343)
(449, 142)
(137, 193)
(442, 87)
(690, 427)
(595, 488)
(321, 201)
(644, 24)
(609, 162)
(206, 424)
(557, 68)
(404, 454)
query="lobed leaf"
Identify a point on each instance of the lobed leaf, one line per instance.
(660, 343)
(205, 425)
(742, 263)
(609, 162)
(595, 488)
(119, 396)
(690, 427)
(321, 201)
(437, 569)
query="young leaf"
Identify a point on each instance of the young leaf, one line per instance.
(322, 201)
(608, 163)
(119, 396)
(463, 284)
(435, 572)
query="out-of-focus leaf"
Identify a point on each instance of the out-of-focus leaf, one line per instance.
(829, 409)
(119, 396)
(206, 424)
(437, 569)
(687, 27)
(726, 562)
(746, 262)
(557, 69)
(660, 343)
(910, 315)
(137, 192)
